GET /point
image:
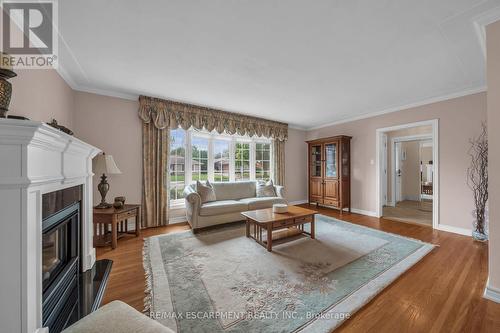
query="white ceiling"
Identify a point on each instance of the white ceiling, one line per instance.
(308, 63)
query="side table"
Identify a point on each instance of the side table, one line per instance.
(117, 219)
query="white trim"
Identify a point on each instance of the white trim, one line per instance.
(393, 159)
(435, 142)
(364, 212)
(298, 202)
(423, 102)
(455, 230)
(481, 21)
(493, 294)
(384, 152)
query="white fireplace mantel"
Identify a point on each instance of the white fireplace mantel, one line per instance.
(35, 159)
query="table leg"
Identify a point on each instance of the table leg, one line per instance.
(269, 237)
(312, 227)
(138, 222)
(248, 227)
(114, 233)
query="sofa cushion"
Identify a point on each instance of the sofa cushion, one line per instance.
(206, 192)
(261, 203)
(234, 190)
(265, 189)
(222, 207)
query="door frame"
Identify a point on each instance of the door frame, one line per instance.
(419, 137)
(385, 147)
(435, 153)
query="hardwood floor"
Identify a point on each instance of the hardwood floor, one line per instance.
(441, 293)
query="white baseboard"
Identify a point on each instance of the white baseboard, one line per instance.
(491, 293)
(364, 212)
(298, 202)
(411, 197)
(390, 203)
(455, 230)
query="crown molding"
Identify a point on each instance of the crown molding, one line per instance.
(481, 21)
(109, 93)
(427, 101)
(134, 97)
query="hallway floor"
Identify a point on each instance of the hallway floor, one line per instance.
(410, 211)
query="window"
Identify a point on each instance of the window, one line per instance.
(177, 164)
(242, 161)
(199, 155)
(199, 149)
(262, 161)
(221, 160)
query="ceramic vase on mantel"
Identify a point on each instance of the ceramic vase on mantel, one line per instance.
(5, 86)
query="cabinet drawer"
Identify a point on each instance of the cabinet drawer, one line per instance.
(315, 200)
(126, 215)
(334, 203)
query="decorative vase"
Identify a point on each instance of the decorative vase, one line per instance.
(480, 233)
(5, 86)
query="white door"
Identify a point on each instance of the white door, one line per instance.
(398, 175)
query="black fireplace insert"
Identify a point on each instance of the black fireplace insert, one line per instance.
(61, 267)
(68, 293)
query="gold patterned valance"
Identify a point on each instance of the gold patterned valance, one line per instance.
(165, 113)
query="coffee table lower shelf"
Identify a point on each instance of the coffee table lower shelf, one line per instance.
(266, 233)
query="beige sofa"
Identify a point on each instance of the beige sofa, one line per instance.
(232, 199)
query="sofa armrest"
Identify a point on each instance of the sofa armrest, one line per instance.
(280, 191)
(193, 204)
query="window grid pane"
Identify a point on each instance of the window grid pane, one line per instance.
(262, 161)
(221, 160)
(177, 163)
(199, 160)
(242, 161)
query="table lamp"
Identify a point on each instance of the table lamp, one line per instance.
(105, 165)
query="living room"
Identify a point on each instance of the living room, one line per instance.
(223, 167)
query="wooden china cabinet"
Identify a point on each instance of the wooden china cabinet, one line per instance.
(330, 172)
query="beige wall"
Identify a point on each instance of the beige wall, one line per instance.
(459, 120)
(42, 95)
(296, 166)
(493, 74)
(112, 125)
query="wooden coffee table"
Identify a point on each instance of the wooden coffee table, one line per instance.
(265, 220)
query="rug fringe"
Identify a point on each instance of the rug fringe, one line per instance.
(146, 262)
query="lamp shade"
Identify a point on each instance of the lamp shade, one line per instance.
(105, 164)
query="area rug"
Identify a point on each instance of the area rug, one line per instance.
(221, 281)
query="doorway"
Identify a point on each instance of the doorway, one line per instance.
(407, 174)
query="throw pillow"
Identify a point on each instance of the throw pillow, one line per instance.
(266, 189)
(206, 192)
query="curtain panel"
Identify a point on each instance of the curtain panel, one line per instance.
(279, 162)
(155, 191)
(169, 114)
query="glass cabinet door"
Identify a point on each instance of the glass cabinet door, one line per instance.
(345, 159)
(316, 161)
(331, 160)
